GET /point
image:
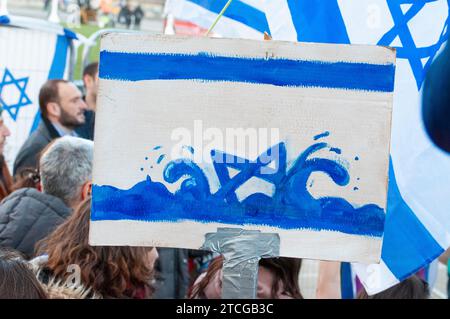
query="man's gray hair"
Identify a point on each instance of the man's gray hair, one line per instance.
(65, 166)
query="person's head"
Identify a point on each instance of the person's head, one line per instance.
(17, 280)
(209, 284)
(61, 102)
(277, 279)
(66, 169)
(90, 81)
(110, 271)
(4, 133)
(410, 288)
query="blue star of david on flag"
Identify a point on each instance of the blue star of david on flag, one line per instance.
(409, 50)
(23, 99)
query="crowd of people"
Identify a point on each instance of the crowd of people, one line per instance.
(128, 13)
(44, 225)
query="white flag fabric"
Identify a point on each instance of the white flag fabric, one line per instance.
(32, 51)
(417, 226)
(242, 19)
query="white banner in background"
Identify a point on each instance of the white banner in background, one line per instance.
(29, 56)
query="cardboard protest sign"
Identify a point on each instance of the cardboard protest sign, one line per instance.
(193, 134)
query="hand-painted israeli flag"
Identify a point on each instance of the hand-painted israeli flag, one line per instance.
(32, 51)
(418, 224)
(232, 95)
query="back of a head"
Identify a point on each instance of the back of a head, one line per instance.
(91, 69)
(410, 288)
(65, 166)
(17, 280)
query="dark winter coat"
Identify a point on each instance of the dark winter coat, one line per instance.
(172, 273)
(36, 142)
(27, 216)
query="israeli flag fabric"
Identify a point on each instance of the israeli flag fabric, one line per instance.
(417, 228)
(32, 51)
(242, 19)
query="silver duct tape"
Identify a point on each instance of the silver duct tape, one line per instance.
(242, 250)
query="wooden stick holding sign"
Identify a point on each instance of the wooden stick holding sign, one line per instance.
(289, 141)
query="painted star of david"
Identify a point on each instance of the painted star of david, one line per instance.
(248, 169)
(409, 50)
(21, 85)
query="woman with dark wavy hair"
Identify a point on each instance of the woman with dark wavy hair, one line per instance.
(277, 279)
(107, 271)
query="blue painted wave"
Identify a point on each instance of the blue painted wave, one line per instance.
(291, 206)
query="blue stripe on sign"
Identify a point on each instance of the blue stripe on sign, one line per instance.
(318, 21)
(279, 72)
(238, 11)
(56, 70)
(407, 244)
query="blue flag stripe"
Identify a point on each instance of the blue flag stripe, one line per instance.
(318, 21)
(407, 244)
(278, 72)
(238, 11)
(56, 70)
